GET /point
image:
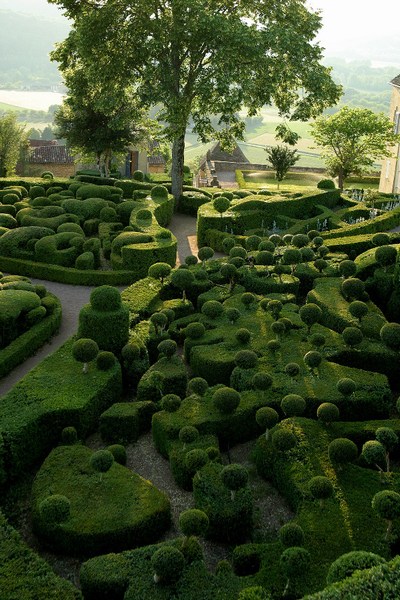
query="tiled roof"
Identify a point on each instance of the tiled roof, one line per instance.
(217, 154)
(396, 81)
(156, 159)
(51, 154)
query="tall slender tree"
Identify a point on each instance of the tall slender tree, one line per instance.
(201, 58)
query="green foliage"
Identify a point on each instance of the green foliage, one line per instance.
(55, 509)
(193, 522)
(281, 158)
(390, 335)
(326, 184)
(327, 412)
(85, 350)
(13, 139)
(226, 400)
(342, 451)
(293, 405)
(348, 563)
(291, 534)
(168, 563)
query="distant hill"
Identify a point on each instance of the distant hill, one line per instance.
(25, 44)
(38, 8)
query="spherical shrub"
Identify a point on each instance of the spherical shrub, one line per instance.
(265, 258)
(320, 487)
(317, 340)
(374, 453)
(273, 346)
(293, 405)
(353, 288)
(390, 335)
(295, 562)
(213, 453)
(326, 184)
(119, 453)
(310, 313)
(275, 307)
(300, 240)
(69, 436)
(36, 191)
(267, 246)
(85, 350)
(342, 450)
(380, 239)
(267, 417)
(193, 522)
(226, 400)
(195, 331)
(108, 215)
(352, 336)
(237, 251)
(130, 352)
(163, 234)
(105, 298)
(262, 381)
(291, 256)
(195, 460)
(212, 309)
(237, 261)
(159, 320)
(283, 440)
(312, 234)
(275, 239)
(167, 348)
(387, 437)
(205, 253)
(197, 386)
(170, 402)
(221, 204)
(246, 359)
(322, 250)
(232, 314)
(252, 242)
(234, 476)
(358, 309)
(327, 412)
(385, 255)
(159, 270)
(307, 254)
(243, 335)
(291, 534)
(159, 192)
(168, 563)
(227, 244)
(348, 563)
(278, 328)
(347, 268)
(320, 264)
(105, 360)
(55, 509)
(191, 260)
(346, 386)
(144, 214)
(312, 359)
(387, 504)
(101, 460)
(247, 299)
(138, 175)
(188, 434)
(287, 238)
(292, 369)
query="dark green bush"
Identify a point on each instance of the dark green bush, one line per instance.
(348, 563)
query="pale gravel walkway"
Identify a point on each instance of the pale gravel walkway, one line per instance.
(73, 297)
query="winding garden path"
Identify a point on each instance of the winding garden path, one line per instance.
(73, 297)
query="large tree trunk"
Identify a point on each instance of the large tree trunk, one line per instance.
(340, 179)
(178, 156)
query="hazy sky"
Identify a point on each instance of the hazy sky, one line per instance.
(344, 21)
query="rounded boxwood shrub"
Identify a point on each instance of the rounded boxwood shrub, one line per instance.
(346, 386)
(85, 261)
(101, 461)
(300, 240)
(138, 175)
(243, 335)
(292, 369)
(291, 534)
(374, 454)
(85, 350)
(312, 359)
(195, 460)
(246, 359)
(293, 405)
(342, 451)
(232, 314)
(390, 335)
(69, 436)
(198, 386)
(168, 563)
(295, 562)
(320, 264)
(105, 360)
(237, 252)
(159, 270)
(221, 204)
(321, 488)
(159, 192)
(380, 239)
(326, 184)
(385, 256)
(267, 246)
(266, 418)
(227, 244)
(387, 504)
(247, 299)
(226, 400)
(188, 434)
(234, 477)
(283, 440)
(358, 309)
(119, 453)
(353, 288)
(327, 412)
(170, 403)
(167, 348)
(310, 313)
(348, 563)
(347, 268)
(36, 191)
(191, 260)
(55, 509)
(262, 381)
(193, 522)
(278, 328)
(105, 298)
(273, 346)
(352, 336)
(212, 309)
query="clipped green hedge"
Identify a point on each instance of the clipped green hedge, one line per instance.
(123, 422)
(26, 576)
(54, 395)
(114, 510)
(30, 341)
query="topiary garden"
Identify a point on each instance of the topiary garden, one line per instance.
(288, 344)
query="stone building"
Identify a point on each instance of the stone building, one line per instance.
(390, 174)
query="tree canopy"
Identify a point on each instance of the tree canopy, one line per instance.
(198, 58)
(352, 140)
(281, 159)
(13, 140)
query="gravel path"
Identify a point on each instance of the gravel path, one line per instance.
(73, 297)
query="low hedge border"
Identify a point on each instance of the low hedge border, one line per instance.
(65, 274)
(24, 575)
(30, 341)
(54, 395)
